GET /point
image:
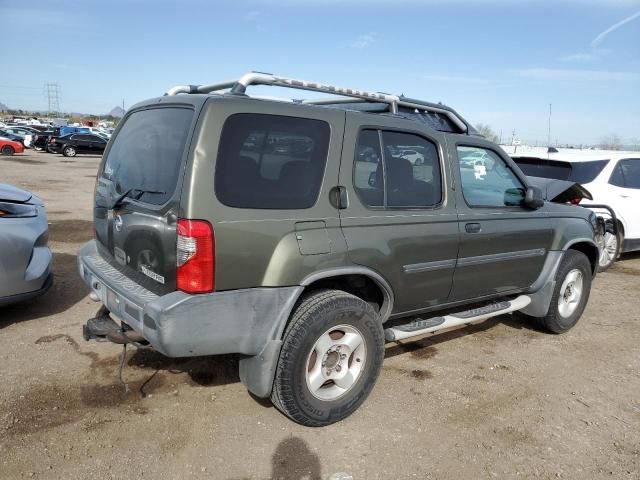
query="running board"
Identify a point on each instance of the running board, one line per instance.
(454, 320)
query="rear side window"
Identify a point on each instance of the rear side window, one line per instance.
(271, 161)
(147, 152)
(627, 174)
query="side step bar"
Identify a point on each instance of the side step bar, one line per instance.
(454, 320)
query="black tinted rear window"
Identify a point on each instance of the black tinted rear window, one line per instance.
(146, 153)
(271, 161)
(578, 172)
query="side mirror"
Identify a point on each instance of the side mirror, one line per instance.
(533, 198)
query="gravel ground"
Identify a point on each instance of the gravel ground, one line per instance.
(500, 400)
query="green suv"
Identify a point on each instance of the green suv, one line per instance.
(303, 234)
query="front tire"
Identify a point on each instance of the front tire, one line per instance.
(331, 356)
(610, 250)
(571, 293)
(8, 150)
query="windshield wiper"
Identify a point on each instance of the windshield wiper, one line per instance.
(134, 193)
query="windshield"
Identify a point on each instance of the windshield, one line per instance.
(146, 153)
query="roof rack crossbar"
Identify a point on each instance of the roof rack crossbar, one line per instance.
(258, 78)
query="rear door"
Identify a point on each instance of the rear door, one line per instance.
(143, 168)
(503, 245)
(401, 219)
(80, 142)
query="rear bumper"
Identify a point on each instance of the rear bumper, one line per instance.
(183, 325)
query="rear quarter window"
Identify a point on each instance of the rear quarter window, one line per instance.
(271, 161)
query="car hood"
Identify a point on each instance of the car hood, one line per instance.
(559, 190)
(9, 193)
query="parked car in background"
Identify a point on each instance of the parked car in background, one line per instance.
(39, 140)
(26, 132)
(25, 259)
(414, 157)
(71, 145)
(612, 179)
(66, 130)
(9, 147)
(16, 137)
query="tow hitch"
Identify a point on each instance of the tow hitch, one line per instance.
(102, 328)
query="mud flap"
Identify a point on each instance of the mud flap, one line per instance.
(257, 372)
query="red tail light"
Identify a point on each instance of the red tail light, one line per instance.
(53, 140)
(575, 200)
(195, 256)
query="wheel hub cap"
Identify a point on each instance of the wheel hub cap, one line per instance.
(570, 293)
(335, 362)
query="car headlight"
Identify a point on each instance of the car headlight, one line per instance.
(17, 210)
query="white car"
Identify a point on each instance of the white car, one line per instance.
(613, 178)
(414, 157)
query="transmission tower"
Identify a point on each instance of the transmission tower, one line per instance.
(53, 98)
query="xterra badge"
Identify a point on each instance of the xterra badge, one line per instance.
(150, 274)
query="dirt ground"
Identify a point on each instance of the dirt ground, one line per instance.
(500, 400)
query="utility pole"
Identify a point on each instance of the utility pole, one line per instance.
(549, 133)
(123, 107)
(53, 98)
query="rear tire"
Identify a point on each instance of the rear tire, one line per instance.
(8, 150)
(69, 152)
(571, 293)
(331, 356)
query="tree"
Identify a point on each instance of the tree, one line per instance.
(486, 132)
(635, 144)
(611, 142)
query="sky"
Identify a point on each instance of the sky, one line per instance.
(497, 62)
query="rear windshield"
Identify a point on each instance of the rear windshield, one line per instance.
(146, 154)
(578, 172)
(271, 161)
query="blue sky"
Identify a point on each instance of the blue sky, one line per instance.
(499, 62)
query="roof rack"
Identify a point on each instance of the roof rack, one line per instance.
(239, 87)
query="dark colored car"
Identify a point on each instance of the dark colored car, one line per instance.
(39, 140)
(302, 236)
(71, 145)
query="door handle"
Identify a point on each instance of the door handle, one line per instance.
(473, 228)
(624, 195)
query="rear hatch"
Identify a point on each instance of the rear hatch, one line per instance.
(138, 195)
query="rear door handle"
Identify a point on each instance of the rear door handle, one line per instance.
(473, 228)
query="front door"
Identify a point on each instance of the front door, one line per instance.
(624, 196)
(503, 245)
(401, 219)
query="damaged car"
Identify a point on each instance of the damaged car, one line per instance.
(25, 258)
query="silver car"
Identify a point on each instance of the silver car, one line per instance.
(25, 259)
